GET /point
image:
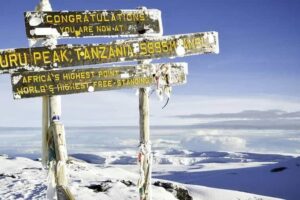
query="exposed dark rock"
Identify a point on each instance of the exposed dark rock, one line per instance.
(278, 169)
(7, 175)
(128, 183)
(183, 194)
(180, 192)
(33, 168)
(168, 186)
(102, 187)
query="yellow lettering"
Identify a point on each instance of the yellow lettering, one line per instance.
(142, 17)
(113, 17)
(56, 19)
(78, 18)
(105, 17)
(129, 17)
(119, 51)
(24, 80)
(111, 52)
(173, 45)
(42, 89)
(56, 77)
(71, 18)
(31, 89)
(51, 88)
(198, 41)
(135, 17)
(86, 19)
(56, 57)
(151, 48)
(189, 43)
(49, 19)
(108, 73)
(37, 56)
(5, 59)
(46, 57)
(87, 55)
(63, 55)
(93, 17)
(78, 53)
(157, 47)
(94, 53)
(119, 83)
(64, 19)
(143, 48)
(35, 79)
(165, 47)
(129, 50)
(13, 59)
(103, 49)
(23, 62)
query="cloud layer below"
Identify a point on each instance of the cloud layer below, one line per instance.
(115, 108)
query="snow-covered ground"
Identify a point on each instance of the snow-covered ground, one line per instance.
(207, 164)
(205, 175)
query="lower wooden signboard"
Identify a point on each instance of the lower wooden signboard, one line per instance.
(71, 81)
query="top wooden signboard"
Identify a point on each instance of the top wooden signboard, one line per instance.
(68, 24)
(38, 58)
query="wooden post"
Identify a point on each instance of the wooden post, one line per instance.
(145, 155)
(45, 125)
(56, 130)
(44, 5)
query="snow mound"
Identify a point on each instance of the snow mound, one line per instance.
(22, 178)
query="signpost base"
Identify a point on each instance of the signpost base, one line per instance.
(63, 193)
(56, 130)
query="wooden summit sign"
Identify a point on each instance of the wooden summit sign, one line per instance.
(33, 59)
(68, 24)
(60, 82)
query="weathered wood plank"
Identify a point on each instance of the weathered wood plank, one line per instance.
(34, 59)
(62, 82)
(68, 24)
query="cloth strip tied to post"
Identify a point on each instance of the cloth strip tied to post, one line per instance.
(145, 165)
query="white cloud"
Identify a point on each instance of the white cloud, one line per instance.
(214, 141)
(221, 104)
(121, 108)
(129, 143)
(295, 139)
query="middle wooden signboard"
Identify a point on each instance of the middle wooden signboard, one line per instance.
(34, 59)
(70, 81)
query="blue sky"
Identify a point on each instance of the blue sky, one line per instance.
(259, 48)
